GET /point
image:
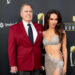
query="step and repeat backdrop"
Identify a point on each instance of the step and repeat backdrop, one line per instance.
(10, 14)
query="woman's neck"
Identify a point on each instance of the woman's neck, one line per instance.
(51, 29)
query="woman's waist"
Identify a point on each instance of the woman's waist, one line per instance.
(53, 51)
(55, 55)
(48, 58)
(53, 48)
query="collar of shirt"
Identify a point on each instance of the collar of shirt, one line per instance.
(33, 29)
(25, 25)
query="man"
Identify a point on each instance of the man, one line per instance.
(24, 44)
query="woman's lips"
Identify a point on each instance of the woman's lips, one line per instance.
(53, 24)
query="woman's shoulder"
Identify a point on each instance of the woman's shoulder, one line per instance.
(63, 31)
(44, 32)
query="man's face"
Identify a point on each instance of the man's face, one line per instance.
(26, 13)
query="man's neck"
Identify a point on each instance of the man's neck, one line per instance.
(28, 22)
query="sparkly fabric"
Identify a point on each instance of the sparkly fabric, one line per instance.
(54, 41)
(51, 64)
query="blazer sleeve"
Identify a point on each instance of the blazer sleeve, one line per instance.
(11, 48)
(41, 26)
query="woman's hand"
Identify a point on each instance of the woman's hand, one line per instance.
(64, 70)
(43, 68)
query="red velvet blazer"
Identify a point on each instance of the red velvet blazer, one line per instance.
(21, 52)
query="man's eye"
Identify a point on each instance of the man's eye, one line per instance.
(25, 11)
(30, 11)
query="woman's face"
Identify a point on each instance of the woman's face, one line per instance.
(53, 20)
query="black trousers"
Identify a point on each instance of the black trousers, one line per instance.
(34, 72)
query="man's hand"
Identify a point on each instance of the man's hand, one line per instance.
(13, 69)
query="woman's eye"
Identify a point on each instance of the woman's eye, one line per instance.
(51, 19)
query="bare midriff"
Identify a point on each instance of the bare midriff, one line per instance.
(54, 51)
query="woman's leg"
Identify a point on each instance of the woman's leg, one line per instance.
(56, 72)
(59, 69)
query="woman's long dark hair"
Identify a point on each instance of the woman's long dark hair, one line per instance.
(58, 27)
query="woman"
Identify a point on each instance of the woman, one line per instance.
(54, 38)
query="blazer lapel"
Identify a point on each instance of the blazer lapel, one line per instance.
(38, 33)
(24, 32)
